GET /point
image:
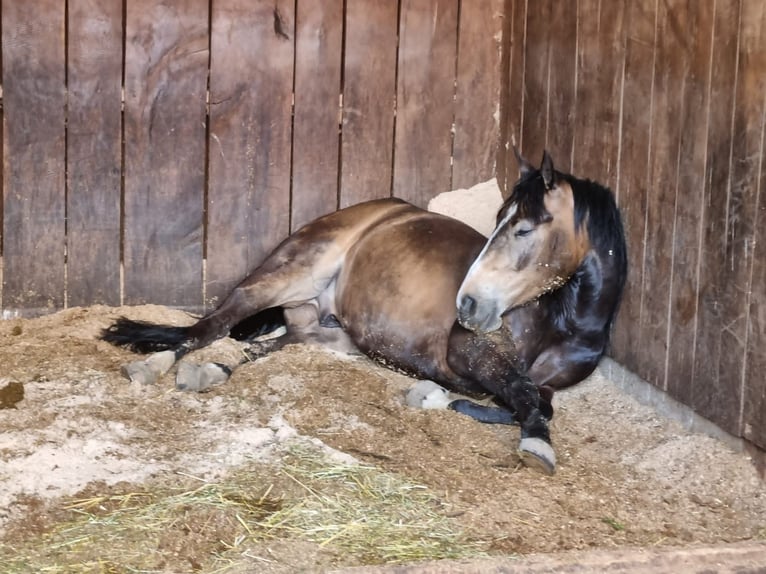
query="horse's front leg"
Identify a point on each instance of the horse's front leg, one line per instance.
(489, 360)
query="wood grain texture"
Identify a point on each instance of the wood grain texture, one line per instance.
(319, 38)
(477, 97)
(663, 189)
(708, 389)
(34, 101)
(536, 80)
(726, 403)
(695, 55)
(562, 55)
(754, 390)
(508, 169)
(424, 101)
(632, 184)
(369, 95)
(250, 138)
(166, 59)
(94, 162)
(600, 61)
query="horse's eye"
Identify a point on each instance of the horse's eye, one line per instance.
(523, 232)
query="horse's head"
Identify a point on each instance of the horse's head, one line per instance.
(534, 248)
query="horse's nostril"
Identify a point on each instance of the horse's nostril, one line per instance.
(467, 305)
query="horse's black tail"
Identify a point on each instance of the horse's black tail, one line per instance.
(143, 337)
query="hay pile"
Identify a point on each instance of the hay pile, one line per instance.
(340, 509)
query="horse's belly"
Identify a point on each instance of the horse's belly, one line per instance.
(396, 292)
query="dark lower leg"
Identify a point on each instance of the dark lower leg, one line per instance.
(483, 413)
(523, 396)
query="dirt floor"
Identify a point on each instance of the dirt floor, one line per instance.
(625, 477)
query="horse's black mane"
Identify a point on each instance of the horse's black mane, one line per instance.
(595, 207)
(594, 203)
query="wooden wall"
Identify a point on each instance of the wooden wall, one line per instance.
(664, 101)
(156, 150)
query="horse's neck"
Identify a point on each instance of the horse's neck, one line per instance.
(596, 287)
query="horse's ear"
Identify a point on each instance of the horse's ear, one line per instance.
(525, 168)
(546, 169)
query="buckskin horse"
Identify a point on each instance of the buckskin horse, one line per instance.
(516, 316)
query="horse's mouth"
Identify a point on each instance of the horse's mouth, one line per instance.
(480, 323)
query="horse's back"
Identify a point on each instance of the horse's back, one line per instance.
(396, 291)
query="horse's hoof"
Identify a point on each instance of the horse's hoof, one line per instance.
(538, 454)
(139, 372)
(427, 395)
(199, 378)
(150, 369)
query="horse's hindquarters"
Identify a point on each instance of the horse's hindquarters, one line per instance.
(396, 291)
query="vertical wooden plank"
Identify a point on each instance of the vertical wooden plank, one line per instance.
(636, 98)
(562, 54)
(722, 400)
(34, 101)
(94, 162)
(251, 88)
(662, 186)
(536, 80)
(424, 101)
(318, 44)
(600, 60)
(477, 101)
(508, 171)
(369, 92)
(754, 392)
(695, 53)
(714, 266)
(165, 88)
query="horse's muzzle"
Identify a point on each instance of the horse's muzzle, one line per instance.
(478, 316)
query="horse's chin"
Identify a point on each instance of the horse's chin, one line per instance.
(484, 326)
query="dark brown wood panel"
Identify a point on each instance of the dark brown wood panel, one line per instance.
(663, 186)
(477, 101)
(94, 162)
(369, 95)
(166, 55)
(725, 406)
(633, 168)
(754, 391)
(513, 103)
(250, 137)
(536, 80)
(708, 387)
(561, 83)
(694, 53)
(424, 101)
(318, 44)
(34, 101)
(600, 60)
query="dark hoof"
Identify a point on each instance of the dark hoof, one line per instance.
(427, 395)
(538, 454)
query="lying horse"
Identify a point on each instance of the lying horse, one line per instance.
(517, 316)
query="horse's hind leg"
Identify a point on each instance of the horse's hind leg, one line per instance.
(299, 270)
(201, 378)
(304, 325)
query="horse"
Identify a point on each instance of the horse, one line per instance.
(517, 316)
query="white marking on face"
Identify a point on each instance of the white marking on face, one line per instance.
(472, 270)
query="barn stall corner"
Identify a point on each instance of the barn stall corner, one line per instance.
(155, 151)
